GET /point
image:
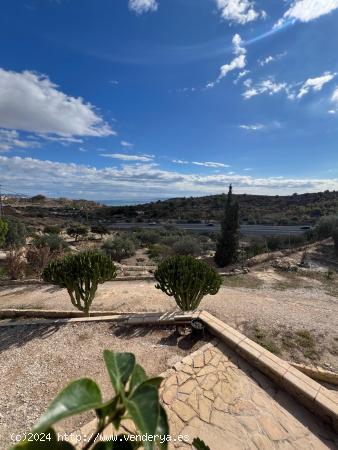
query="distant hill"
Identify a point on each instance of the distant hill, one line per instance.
(254, 209)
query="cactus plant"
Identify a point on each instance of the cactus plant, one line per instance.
(188, 280)
(80, 274)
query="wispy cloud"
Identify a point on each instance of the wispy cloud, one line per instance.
(239, 62)
(270, 59)
(179, 161)
(143, 6)
(307, 10)
(239, 11)
(10, 139)
(127, 144)
(315, 84)
(125, 157)
(253, 127)
(69, 179)
(292, 91)
(210, 164)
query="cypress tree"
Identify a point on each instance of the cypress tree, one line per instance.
(228, 242)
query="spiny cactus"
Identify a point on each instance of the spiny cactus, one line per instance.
(188, 280)
(80, 274)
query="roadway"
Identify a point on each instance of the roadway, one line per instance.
(247, 230)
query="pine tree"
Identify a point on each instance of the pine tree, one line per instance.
(227, 246)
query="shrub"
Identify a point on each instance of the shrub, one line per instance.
(187, 245)
(16, 264)
(3, 231)
(52, 229)
(119, 248)
(55, 242)
(76, 231)
(99, 229)
(38, 258)
(16, 234)
(158, 252)
(335, 240)
(188, 280)
(80, 274)
(326, 226)
(149, 237)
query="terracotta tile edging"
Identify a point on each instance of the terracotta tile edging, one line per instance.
(308, 392)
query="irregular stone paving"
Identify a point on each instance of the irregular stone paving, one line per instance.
(216, 396)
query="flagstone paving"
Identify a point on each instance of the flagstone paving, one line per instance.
(216, 396)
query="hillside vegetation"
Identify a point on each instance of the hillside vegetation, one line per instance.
(254, 209)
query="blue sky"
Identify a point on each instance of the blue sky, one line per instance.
(143, 99)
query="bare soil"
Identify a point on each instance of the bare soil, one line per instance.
(37, 361)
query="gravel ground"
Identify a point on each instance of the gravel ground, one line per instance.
(38, 360)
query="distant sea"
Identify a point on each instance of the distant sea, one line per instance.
(128, 202)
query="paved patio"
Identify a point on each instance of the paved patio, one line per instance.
(215, 395)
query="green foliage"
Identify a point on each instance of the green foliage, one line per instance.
(335, 240)
(52, 229)
(53, 241)
(76, 231)
(187, 245)
(3, 232)
(119, 248)
(135, 396)
(16, 234)
(228, 243)
(148, 237)
(158, 252)
(80, 274)
(188, 280)
(99, 229)
(198, 444)
(326, 226)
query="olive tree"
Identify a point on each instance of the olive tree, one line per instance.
(188, 280)
(80, 274)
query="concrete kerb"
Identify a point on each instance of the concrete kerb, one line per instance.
(308, 392)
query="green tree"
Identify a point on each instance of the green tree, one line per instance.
(187, 245)
(16, 234)
(326, 226)
(188, 280)
(228, 242)
(80, 274)
(55, 242)
(3, 232)
(76, 231)
(99, 229)
(335, 240)
(119, 248)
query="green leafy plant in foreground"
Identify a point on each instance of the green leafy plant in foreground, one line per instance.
(135, 398)
(80, 274)
(188, 280)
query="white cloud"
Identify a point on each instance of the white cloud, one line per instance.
(210, 164)
(179, 161)
(315, 84)
(124, 157)
(307, 10)
(239, 62)
(241, 75)
(267, 86)
(253, 127)
(127, 144)
(270, 59)
(10, 139)
(31, 102)
(292, 91)
(238, 11)
(62, 179)
(143, 6)
(334, 100)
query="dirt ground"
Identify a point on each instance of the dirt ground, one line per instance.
(294, 315)
(38, 360)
